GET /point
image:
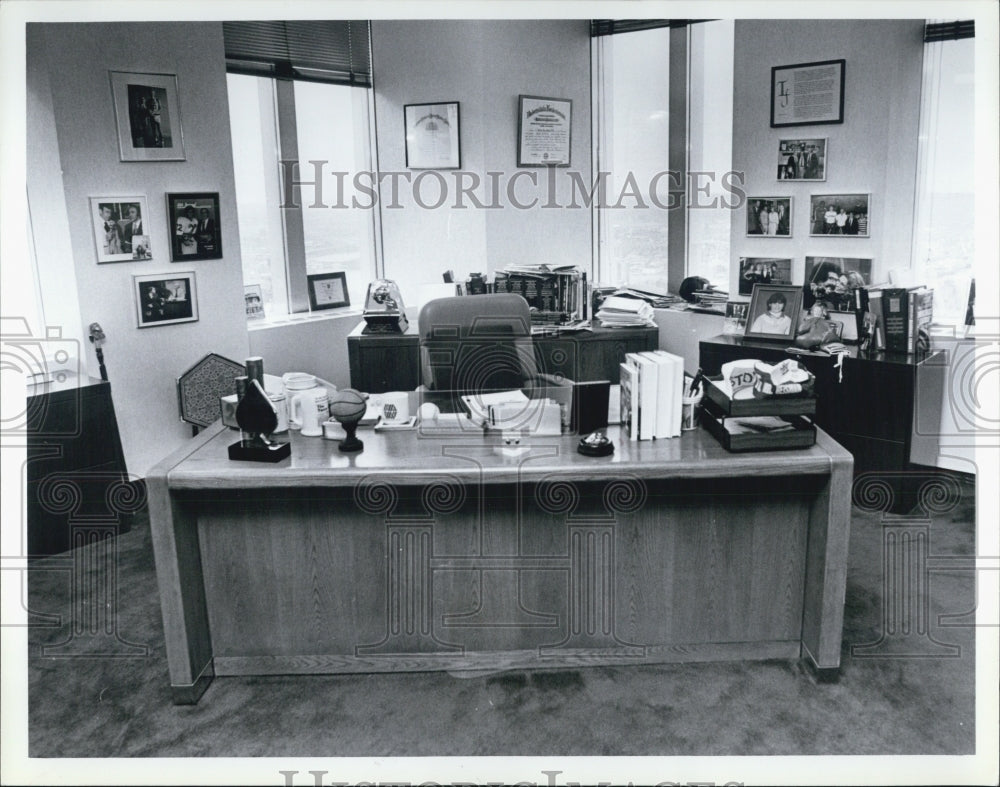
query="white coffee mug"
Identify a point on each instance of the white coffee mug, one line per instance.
(395, 407)
(304, 412)
(281, 405)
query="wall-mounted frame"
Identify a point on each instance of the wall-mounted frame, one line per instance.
(328, 291)
(834, 279)
(840, 215)
(808, 94)
(253, 298)
(165, 298)
(802, 159)
(544, 131)
(433, 139)
(147, 116)
(774, 312)
(764, 270)
(120, 230)
(769, 217)
(195, 230)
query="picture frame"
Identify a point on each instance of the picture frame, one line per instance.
(433, 135)
(544, 131)
(769, 217)
(834, 279)
(121, 231)
(763, 322)
(253, 298)
(147, 116)
(763, 270)
(328, 291)
(195, 229)
(802, 159)
(735, 321)
(854, 222)
(165, 298)
(808, 94)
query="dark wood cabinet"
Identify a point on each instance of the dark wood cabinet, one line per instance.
(391, 362)
(872, 405)
(75, 471)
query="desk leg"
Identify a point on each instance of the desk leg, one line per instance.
(826, 562)
(174, 530)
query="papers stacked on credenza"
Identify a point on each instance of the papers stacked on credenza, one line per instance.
(617, 311)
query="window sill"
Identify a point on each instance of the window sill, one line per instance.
(303, 317)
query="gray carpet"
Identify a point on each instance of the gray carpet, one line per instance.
(117, 703)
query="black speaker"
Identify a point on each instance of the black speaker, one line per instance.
(590, 406)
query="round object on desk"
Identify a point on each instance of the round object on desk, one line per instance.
(347, 404)
(595, 444)
(428, 411)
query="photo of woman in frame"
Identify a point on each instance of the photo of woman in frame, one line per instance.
(774, 312)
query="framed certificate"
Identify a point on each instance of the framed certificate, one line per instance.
(544, 131)
(807, 94)
(432, 138)
(327, 291)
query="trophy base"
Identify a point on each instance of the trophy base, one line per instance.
(251, 451)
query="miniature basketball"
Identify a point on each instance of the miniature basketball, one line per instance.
(347, 405)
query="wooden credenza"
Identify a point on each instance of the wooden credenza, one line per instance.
(381, 362)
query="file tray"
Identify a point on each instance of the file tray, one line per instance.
(770, 424)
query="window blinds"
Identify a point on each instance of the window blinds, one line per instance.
(336, 51)
(607, 27)
(949, 31)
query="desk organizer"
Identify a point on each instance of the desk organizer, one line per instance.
(718, 408)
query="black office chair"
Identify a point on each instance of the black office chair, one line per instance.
(477, 343)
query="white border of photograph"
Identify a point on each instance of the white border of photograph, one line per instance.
(132, 254)
(126, 115)
(784, 152)
(854, 199)
(191, 294)
(753, 211)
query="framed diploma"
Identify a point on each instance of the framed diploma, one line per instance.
(432, 139)
(807, 94)
(543, 131)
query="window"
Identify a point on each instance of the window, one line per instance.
(943, 238)
(300, 100)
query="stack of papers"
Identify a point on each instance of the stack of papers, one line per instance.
(621, 312)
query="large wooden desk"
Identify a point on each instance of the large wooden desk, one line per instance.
(431, 552)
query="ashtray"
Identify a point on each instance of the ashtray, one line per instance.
(595, 444)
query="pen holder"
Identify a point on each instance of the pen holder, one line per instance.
(689, 411)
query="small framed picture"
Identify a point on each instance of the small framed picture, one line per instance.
(774, 312)
(328, 291)
(147, 116)
(834, 279)
(432, 136)
(764, 270)
(544, 131)
(254, 300)
(165, 298)
(840, 214)
(194, 221)
(736, 317)
(769, 216)
(802, 159)
(120, 231)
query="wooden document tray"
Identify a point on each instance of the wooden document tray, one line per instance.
(717, 408)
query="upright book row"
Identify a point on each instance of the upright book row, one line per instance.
(652, 393)
(900, 317)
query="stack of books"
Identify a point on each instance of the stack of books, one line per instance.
(903, 316)
(652, 393)
(617, 311)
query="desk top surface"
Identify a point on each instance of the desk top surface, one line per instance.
(853, 352)
(421, 456)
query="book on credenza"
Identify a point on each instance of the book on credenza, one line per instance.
(645, 394)
(628, 401)
(670, 392)
(921, 313)
(895, 319)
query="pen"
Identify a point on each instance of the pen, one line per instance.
(695, 382)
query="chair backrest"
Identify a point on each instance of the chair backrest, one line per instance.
(475, 343)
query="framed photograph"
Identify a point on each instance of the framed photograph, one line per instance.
(432, 136)
(147, 116)
(774, 312)
(764, 270)
(254, 300)
(807, 94)
(840, 214)
(544, 131)
(328, 291)
(802, 159)
(769, 216)
(833, 280)
(194, 221)
(120, 231)
(165, 298)
(736, 317)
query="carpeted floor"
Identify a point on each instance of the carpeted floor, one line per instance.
(118, 704)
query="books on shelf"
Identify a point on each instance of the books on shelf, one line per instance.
(628, 400)
(652, 392)
(556, 294)
(904, 316)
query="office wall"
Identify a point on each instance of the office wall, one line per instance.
(484, 65)
(873, 151)
(143, 363)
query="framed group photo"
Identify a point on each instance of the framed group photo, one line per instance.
(763, 270)
(840, 215)
(120, 232)
(327, 291)
(432, 135)
(769, 216)
(774, 312)
(165, 299)
(544, 131)
(802, 159)
(194, 222)
(147, 116)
